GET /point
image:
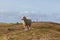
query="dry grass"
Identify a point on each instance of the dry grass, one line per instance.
(38, 31)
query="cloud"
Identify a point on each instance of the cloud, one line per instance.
(4, 11)
(27, 12)
(1, 10)
(14, 16)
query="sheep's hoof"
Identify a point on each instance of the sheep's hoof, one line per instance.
(29, 28)
(24, 29)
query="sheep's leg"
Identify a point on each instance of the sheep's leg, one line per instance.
(28, 27)
(25, 28)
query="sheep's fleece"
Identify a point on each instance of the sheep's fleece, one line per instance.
(26, 22)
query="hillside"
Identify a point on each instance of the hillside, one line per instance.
(38, 31)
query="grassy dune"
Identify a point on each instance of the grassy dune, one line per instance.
(38, 31)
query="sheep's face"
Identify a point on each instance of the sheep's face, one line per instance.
(23, 17)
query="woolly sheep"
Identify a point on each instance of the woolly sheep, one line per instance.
(26, 22)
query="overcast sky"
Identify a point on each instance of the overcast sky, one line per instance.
(44, 10)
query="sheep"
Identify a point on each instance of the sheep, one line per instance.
(26, 22)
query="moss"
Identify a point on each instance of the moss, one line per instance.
(58, 29)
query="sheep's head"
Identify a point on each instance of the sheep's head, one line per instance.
(23, 17)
